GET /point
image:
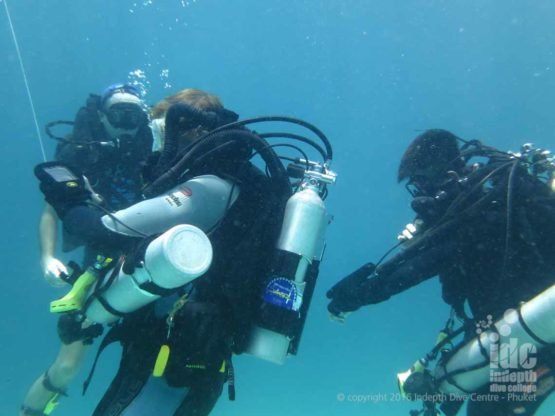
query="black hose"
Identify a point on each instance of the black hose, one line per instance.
(207, 144)
(48, 130)
(314, 129)
(298, 137)
(509, 219)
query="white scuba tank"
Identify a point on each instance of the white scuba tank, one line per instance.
(172, 260)
(506, 345)
(287, 293)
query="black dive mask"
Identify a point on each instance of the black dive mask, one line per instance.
(126, 116)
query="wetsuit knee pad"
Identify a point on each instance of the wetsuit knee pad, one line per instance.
(70, 329)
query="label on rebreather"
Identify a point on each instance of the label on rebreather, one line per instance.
(178, 197)
(283, 292)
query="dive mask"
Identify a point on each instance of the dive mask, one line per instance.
(127, 116)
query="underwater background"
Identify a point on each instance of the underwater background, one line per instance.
(371, 74)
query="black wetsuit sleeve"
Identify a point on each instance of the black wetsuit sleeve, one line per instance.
(402, 272)
(84, 223)
(369, 285)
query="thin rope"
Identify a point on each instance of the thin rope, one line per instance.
(39, 136)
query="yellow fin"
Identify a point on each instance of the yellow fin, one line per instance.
(75, 298)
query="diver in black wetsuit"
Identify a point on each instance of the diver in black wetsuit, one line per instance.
(187, 337)
(486, 229)
(223, 194)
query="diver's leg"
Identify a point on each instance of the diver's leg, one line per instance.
(203, 395)
(126, 385)
(55, 380)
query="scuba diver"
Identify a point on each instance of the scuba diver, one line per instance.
(485, 224)
(109, 144)
(221, 259)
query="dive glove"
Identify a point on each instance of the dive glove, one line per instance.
(347, 295)
(62, 188)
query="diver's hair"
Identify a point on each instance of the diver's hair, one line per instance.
(434, 151)
(194, 97)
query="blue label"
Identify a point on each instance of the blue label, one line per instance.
(282, 292)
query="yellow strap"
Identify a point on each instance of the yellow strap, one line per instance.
(161, 361)
(52, 404)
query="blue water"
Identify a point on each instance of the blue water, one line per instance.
(371, 74)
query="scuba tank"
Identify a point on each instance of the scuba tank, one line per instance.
(503, 354)
(172, 260)
(511, 343)
(179, 255)
(290, 284)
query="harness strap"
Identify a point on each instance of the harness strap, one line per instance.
(27, 411)
(47, 384)
(109, 307)
(230, 380)
(113, 335)
(528, 330)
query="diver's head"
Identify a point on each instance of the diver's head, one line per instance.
(192, 96)
(122, 110)
(428, 160)
(190, 114)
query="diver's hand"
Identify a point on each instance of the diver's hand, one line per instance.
(53, 270)
(410, 230)
(96, 198)
(346, 295)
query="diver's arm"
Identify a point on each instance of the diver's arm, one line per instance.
(201, 201)
(369, 285)
(47, 232)
(84, 222)
(52, 268)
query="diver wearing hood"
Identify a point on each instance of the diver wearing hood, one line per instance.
(487, 229)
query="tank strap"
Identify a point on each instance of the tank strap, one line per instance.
(47, 384)
(27, 411)
(153, 288)
(114, 334)
(450, 377)
(230, 379)
(528, 330)
(109, 307)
